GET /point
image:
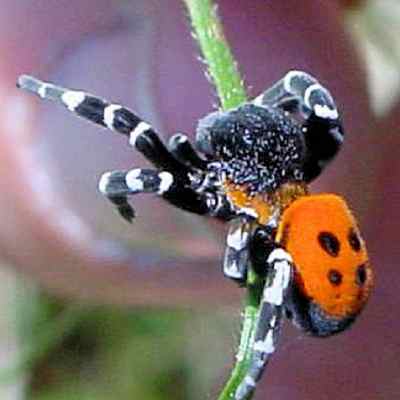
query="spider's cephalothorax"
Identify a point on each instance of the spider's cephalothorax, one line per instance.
(258, 147)
(254, 168)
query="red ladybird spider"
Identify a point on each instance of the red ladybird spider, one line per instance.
(255, 164)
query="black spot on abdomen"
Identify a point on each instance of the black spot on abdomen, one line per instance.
(335, 277)
(361, 275)
(330, 243)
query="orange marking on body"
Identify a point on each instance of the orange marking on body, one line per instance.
(338, 283)
(264, 204)
(240, 198)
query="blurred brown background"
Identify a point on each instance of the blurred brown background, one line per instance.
(58, 234)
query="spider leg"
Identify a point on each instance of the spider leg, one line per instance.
(262, 243)
(180, 146)
(269, 323)
(303, 97)
(113, 185)
(112, 116)
(144, 139)
(236, 256)
(118, 185)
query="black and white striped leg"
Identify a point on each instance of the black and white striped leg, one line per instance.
(180, 146)
(118, 185)
(112, 116)
(269, 323)
(236, 256)
(141, 136)
(302, 96)
(113, 186)
(262, 243)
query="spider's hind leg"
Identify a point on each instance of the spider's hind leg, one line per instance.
(269, 322)
(306, 100)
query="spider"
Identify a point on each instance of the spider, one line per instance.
(251, 168)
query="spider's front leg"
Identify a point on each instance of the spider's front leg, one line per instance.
(180, 146)
(109, 115)
(279, 268)
(176, 166)
(118, 185)
(305, 99)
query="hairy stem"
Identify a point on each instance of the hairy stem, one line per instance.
(243, 355)
(222, 68)
(223, 72)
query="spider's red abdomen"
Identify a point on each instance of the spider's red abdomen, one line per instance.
(333, 277)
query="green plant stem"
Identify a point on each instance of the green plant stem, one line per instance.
(223, 72)
(221, 65)
(243, 356)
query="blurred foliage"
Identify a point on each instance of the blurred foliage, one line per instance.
(376, 29)
(118, 354)
(75, 352)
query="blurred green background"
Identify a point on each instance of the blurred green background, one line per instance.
(60, 350)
